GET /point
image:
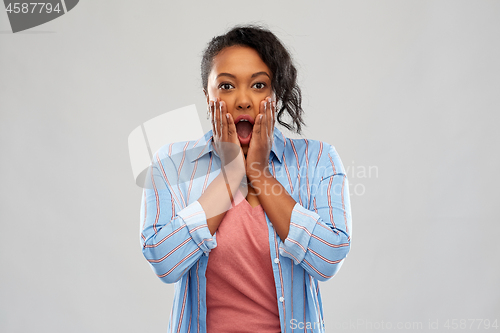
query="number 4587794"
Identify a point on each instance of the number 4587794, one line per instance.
(31, 7)
(470, 324)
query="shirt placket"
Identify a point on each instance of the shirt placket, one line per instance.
(276, 263)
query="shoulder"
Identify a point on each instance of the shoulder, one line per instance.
(172, 148)
(331, 161)
(318, 155)
(302, 146)
(181, 150)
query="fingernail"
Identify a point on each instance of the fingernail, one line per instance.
(227, 115)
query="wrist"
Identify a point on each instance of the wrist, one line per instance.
(235, 169)
(258, 173)
(232, 175)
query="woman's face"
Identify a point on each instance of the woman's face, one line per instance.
(241, 79)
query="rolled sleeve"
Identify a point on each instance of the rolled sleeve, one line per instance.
(195, 219)
(302, 223)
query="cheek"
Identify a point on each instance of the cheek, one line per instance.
(213, 93)
(227, 100)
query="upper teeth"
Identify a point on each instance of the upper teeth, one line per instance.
(244, 120)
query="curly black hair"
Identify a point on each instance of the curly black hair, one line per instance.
(275, 56)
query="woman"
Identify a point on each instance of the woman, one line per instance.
(244, 220)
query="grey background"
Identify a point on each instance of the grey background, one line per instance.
(410, 88)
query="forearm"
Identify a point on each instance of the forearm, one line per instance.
(216, 200)
(275, 201)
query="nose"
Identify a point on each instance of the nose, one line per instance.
(243, 106)
(243, 102)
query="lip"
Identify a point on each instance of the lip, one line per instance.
(244, 141)
(244, 116)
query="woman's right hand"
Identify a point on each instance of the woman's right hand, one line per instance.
(225, 137)
(228, 147)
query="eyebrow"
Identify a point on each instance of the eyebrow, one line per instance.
(234, 77)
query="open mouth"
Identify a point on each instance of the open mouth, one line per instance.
(244, 128)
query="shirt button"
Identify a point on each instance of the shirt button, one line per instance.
(282, 299)
(276, 260)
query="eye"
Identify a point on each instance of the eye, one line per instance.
(224, 86)
(262, 85)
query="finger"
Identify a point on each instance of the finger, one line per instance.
(217, 118)
(260, 119)
(223, 119)
(273, 103)
(212, 116)
(257, 128)
(264, 120)
(219, 112)
(231, 126)
(269, 119)
(223, 122)
(274, 114)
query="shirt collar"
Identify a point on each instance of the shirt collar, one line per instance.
(204, 145)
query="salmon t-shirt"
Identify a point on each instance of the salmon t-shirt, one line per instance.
(241, 292)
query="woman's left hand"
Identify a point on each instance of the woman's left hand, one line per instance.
(257, 159)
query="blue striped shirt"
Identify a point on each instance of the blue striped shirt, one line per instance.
(176, 240)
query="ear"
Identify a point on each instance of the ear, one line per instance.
(206, 95)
